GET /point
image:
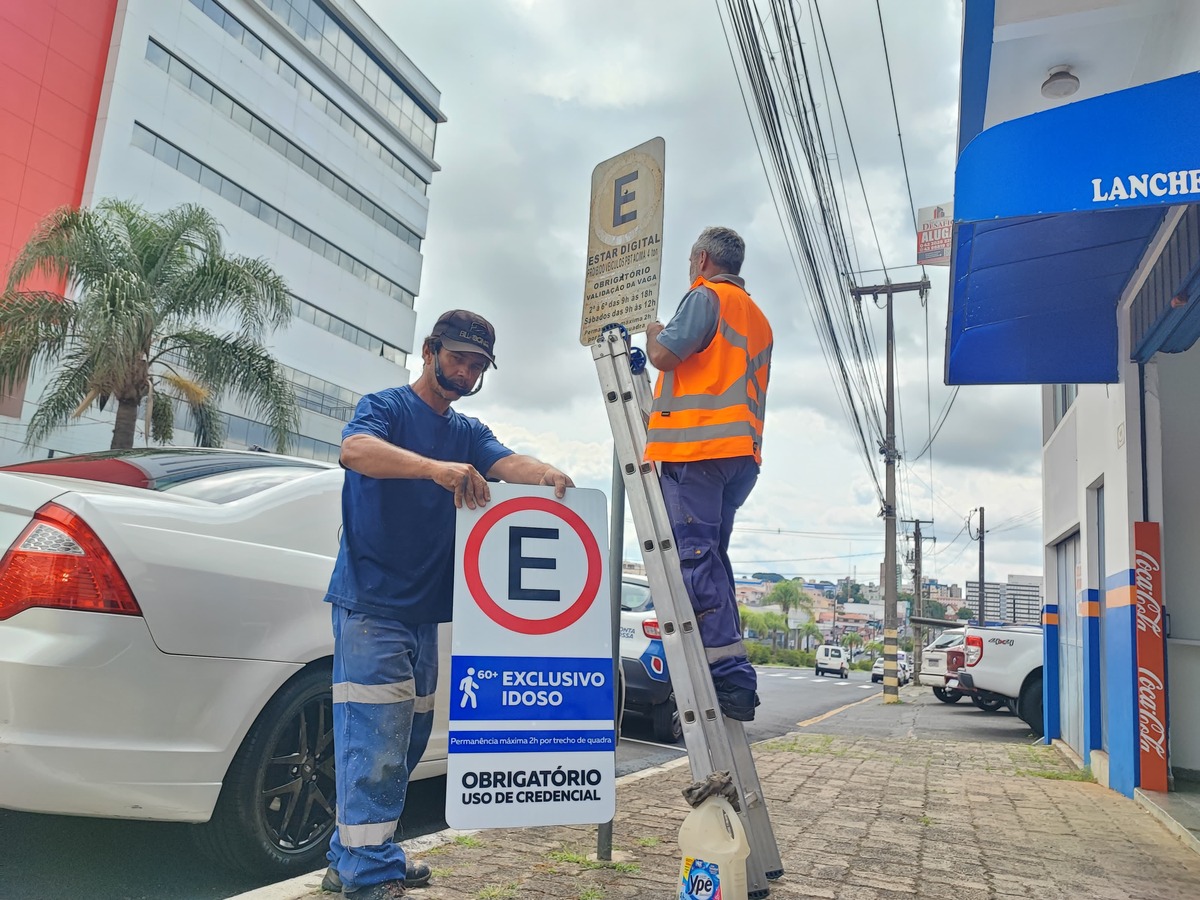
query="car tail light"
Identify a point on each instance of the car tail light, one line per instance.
(954, 660)
(59, 562)
(974, 649)
(651, 630)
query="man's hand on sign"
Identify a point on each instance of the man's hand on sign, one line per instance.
(467, 485)
(556, 479)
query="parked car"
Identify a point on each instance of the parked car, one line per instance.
(1003, 667)
(165, 653)
(933, 664)
(648, 691)
(902, 672)
(164, 648)
(832, 659)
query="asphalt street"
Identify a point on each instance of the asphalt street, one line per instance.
(56, 857)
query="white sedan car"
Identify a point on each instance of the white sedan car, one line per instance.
(165, 651)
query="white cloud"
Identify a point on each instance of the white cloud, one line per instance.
(540, 91)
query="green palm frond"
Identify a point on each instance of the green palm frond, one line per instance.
(61, 400)
(242, 368)
(35, 327)
(244, 288)
(209, 427)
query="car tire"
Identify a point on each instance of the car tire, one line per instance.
(246, 831)
(947, 696)
(875, 679)
(666, 724)
(818, 672)
(845, 673)
(1029, 705)
(988, 705)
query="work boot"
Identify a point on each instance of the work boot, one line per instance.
(736, 702)
(416, 874)
(385, 890)
(332, 882)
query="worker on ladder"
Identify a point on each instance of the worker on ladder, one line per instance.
(705, 433)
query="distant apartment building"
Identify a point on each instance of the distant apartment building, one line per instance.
(751, 591)
(299, 123)
(1018, 600)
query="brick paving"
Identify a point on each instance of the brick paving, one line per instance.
(859, 818)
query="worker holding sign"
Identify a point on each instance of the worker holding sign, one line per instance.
(705, 432)
(410, 460)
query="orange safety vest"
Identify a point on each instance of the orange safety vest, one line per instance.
(712, 405)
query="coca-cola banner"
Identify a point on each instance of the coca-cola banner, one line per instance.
(1151, 674)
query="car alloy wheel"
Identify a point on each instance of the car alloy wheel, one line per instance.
(277, 808)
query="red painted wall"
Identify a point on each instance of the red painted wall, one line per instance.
(52, 59)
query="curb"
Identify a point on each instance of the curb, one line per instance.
(304, 885)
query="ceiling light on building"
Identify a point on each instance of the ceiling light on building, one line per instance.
(1060, 83)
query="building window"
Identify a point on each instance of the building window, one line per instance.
(1064, 396)
(307, 90)
(241, 115)
(314, 315)
(243, 432)
(356, 65)
(167, 152)
(322, 396)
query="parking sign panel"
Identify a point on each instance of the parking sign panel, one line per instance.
(531, 738)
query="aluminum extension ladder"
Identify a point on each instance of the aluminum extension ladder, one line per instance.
(714, 742)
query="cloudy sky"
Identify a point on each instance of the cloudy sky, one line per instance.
(538, 92)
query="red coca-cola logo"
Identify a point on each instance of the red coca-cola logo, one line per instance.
(1152, 727)
(1149, 609)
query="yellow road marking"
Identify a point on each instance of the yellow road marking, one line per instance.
(833, 712)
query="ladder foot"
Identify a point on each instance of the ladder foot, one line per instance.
(757, 895)
(774, 874)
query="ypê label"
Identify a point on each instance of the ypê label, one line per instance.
(700, 880)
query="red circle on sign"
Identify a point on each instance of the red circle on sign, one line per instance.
(490, 607)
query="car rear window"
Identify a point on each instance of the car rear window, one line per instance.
(635, 597)
(212, 475)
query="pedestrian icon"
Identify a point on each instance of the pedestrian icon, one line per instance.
(467, 684)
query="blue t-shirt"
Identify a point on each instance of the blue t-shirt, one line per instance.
(397, 552)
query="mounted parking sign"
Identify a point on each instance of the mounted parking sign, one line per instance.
(531, 738)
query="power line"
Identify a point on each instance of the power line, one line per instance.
(896, 113)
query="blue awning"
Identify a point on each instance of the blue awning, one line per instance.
(1053, 212)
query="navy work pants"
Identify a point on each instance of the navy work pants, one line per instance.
(384, 677)
(702, 499)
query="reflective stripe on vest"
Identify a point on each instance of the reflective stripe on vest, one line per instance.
(712, 405)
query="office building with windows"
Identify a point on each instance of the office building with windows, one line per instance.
(1018, 601)
(299, 123)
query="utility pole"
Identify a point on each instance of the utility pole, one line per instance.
(982, 583)
(918, 595)
(891, 682)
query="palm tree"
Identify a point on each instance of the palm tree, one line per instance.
(811, 631)
(775, 624)
(130, 327)
(851, 639)
(787, 595)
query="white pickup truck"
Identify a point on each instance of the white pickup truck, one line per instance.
(1004, 665)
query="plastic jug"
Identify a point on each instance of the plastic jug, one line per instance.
(714, 848)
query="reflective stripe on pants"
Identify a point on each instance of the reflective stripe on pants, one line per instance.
(384, 677)
(702, 499)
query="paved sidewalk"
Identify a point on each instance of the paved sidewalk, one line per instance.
(857, 817)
